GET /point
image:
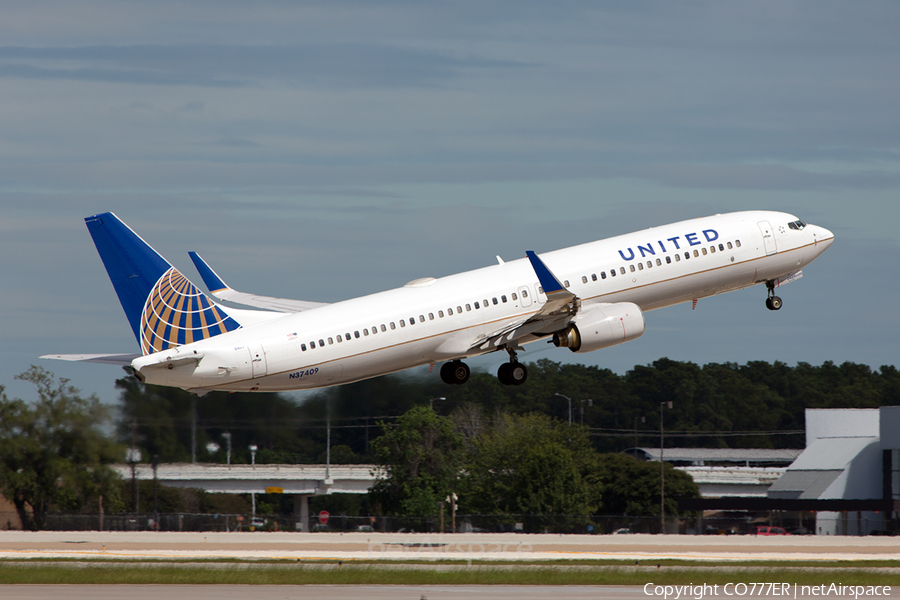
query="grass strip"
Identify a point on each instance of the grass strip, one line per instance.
(372, 575)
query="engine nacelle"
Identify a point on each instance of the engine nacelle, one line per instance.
(601, 326)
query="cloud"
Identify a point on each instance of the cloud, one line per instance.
(227, 66)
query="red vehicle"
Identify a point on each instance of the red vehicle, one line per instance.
(766, 530)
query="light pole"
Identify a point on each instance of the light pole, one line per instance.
(431, 401)
(590, 403)
(643, 420)
(570, 405)
(227, 436)
(662, 472)
(253, 449)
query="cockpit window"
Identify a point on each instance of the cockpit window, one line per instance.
(798, 225)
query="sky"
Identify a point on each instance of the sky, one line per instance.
(326, 150)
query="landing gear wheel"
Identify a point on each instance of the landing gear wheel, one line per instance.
(455, 373)
(512, 373)
(773, 302)
(503, 374)
(517, 373)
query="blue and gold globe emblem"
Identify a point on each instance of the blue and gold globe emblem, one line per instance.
(178, 313)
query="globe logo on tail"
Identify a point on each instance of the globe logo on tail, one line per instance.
(178, 313)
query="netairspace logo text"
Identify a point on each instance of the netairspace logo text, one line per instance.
(790, 590)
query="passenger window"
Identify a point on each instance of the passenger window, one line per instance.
(593, 277)
(584, 279)
(412, 320)
(514, 296)
(621, 270)
(321, 343)
(347, 336)
(640, 267)
(602, 274)
(422, 318)
(540, 289)
(431, 316)
(374, 330)
(312, 345)
(737, 243)
(366, 332)
(339, 338)
(440, 314)
(729, 245)
(712, 249)
(649, 264)
(393, 326)
(383, 328)
(659, 262)
(632, 268)
(330, 341)
(356, 334)
(503, 298)
(477, 306)
(704, 251)
(566, 283)
(449, 312)
(668, 260)
(721, 248)
(677, 258)
(469, 307)
(524, 293)
(303, 347)
(402, 323)
(696, 254)
(485, 303)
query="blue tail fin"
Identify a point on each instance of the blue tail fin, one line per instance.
(164, 308)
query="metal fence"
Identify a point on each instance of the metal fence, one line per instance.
(729, 524)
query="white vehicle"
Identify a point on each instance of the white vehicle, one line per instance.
(583, 298)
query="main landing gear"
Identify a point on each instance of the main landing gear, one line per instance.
(455, 373)
(773, 302)
(513, 372)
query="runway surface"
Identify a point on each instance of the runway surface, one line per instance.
(459, 547)
(354, 592)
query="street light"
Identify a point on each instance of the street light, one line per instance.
(227, 436)
(431, 401)
(662, 472)
(570, 405)
(253, 449)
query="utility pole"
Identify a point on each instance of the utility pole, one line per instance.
(193, 429)
(662, 471)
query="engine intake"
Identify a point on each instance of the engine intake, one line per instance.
(601, 326)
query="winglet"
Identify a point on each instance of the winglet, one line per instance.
(213, 282)
(548, 280)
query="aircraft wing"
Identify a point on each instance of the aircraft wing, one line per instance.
(555, 314)
(221, 291)
(105, 359)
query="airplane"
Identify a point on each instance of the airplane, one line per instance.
(584, 298)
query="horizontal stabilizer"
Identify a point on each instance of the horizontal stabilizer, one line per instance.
(104, 359)
(221, 291)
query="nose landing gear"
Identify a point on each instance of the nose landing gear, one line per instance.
(773, 302)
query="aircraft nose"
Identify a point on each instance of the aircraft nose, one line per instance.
(822, 236)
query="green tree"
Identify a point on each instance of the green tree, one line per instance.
(53, 454)
(534, 468)
(421, 458)
(631, 487)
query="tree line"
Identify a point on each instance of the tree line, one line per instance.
(55, 451)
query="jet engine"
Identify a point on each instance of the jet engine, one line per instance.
(601, 326)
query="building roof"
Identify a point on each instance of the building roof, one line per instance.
(733, 455)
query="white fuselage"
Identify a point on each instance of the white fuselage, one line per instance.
(435, 320)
